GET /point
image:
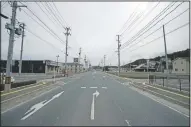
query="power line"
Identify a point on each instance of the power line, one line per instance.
(162, 35)
(151, 26)
(41, 39)
(148, 24)
(45, 25)
(49, 12)
(2, 6)
(134, 21)
(54, 14)
(46, 14)
(130, 17)
(161, 27)
(40, 25)
(153, 20)
(145, 17)
(60, 14)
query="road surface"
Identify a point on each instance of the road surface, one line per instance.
(95, 99)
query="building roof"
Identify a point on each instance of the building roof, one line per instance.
(185, 58)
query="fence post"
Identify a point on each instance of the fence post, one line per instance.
(179, 83)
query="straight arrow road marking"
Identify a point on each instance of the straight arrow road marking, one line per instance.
(93, 103)
(38, 106)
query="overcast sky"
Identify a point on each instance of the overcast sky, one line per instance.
(94, 27)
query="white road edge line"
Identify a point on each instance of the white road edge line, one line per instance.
(128, 124)
(83, 87)
(161, 103)
(93, 87)
(29, 100)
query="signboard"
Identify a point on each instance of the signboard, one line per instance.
(75, 60)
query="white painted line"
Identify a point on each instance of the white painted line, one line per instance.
(128, 124)
(29, 100)
(161, 103)
(22, 94)
(83, 87)
(92, 109)
(38, 106)
(104, 87)
(93, 87)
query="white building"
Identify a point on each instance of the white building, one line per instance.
(181, 65)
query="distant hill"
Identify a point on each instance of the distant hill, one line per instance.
(172, 56)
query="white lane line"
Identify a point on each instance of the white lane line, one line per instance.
(93, 87)
(128, 124)
(104, 87)
(29, 100)
(83, 87)
(160, 102)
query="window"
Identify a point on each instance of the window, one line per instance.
(181, 62)
(176, 69)
(182, 69)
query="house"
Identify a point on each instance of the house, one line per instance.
(181, 65)
(143, 68)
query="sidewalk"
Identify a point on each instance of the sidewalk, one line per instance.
(174, 96)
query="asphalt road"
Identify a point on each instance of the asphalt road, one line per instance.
(95, 99)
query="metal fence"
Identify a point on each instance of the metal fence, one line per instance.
(179, 82)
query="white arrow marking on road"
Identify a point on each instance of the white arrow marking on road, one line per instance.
(92, 107)
(38, 106)
(128, 124)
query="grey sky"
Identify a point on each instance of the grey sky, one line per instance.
(94, 27)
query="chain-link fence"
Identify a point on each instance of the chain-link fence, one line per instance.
(180, 82)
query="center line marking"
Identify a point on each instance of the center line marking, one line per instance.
(83, 87)
(104, 87)
(93, 87)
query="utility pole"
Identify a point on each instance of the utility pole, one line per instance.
(165, 55)
(118, 50)
(79, 59)
(104, 63)
(13, 30)
(165, 49)
(57, 62)
(147, 65)
(23, 34)
(66, 54)
(0, 41)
